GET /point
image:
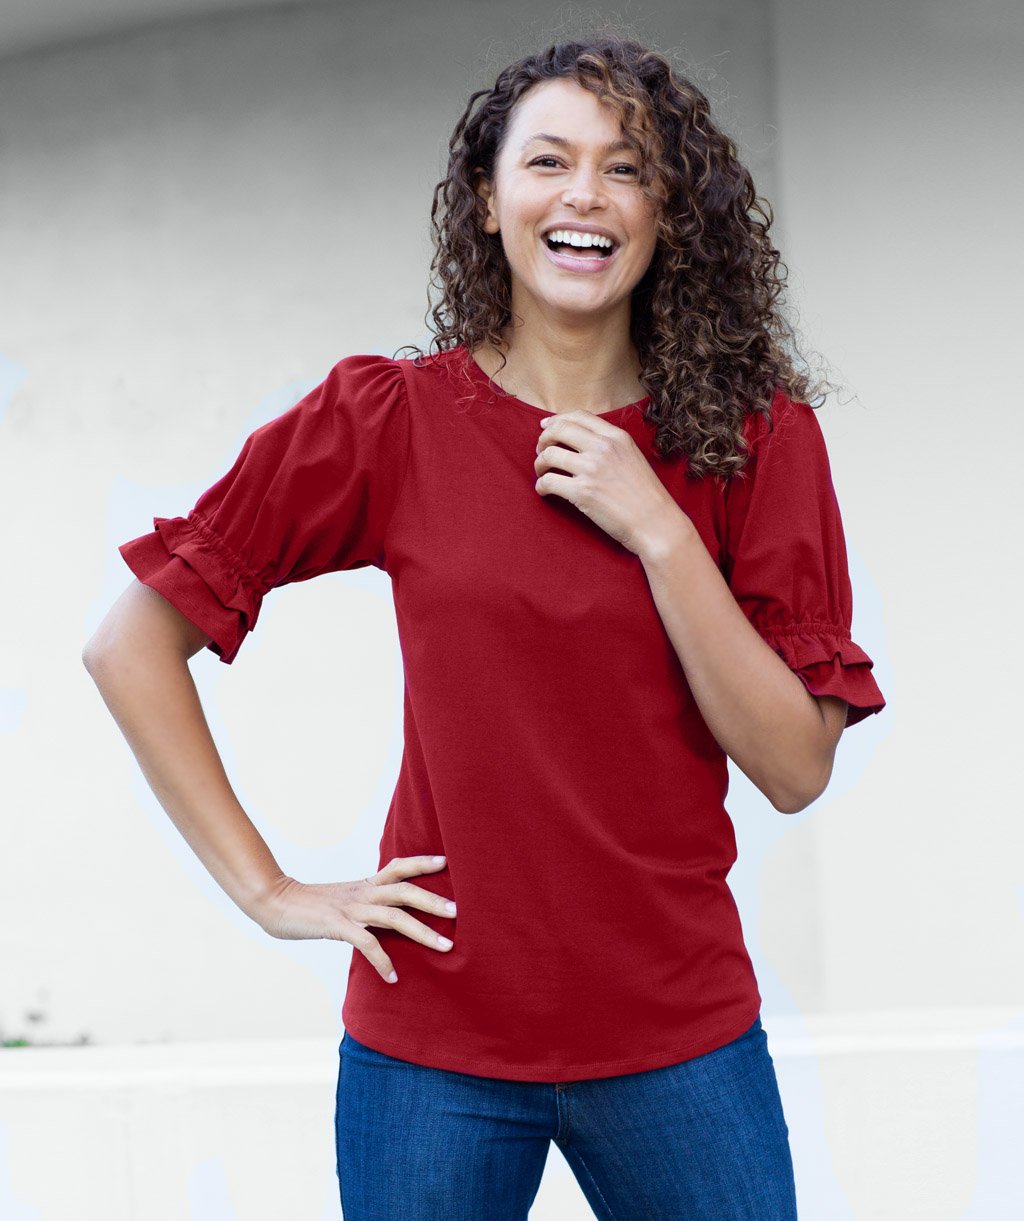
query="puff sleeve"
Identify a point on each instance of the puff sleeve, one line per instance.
(785, 557)
(312, 491)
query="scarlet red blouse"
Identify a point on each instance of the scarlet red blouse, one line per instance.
(553, 750)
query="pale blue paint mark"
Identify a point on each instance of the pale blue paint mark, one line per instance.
(332, 1198)
(13, 702)
(999, 1189)
(11, 377)
(11, 1208)
(209, 1198)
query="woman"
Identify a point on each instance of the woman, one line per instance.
(617, 559)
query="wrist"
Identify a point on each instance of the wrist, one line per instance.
(672, 533)
(261, 899)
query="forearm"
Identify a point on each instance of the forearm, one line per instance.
(758, 710)
(152, 696)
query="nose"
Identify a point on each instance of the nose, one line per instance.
(584, 190)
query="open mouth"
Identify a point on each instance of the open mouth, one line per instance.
(599, 253)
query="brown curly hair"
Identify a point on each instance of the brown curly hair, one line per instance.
(705, 318)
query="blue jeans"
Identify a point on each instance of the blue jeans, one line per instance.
(702, 1139)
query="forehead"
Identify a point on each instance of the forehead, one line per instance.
(562, 107)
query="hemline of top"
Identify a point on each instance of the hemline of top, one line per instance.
(573, 1072)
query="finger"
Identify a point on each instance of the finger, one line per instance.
(400, 867)
(551, 483)
(405, 923)
(555, 457)
(408, 894)
(578, 436)
(568, 432)
(556, 425)
(372, 950)
(381, 915)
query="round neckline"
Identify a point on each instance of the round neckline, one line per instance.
(480, 375)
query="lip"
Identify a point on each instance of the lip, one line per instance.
(581, 264)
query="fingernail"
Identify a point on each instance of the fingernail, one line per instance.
(393, 977)
(444, 941)
(439, 860)
(450, 907)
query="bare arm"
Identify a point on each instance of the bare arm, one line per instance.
(780, 735)
(138, 659)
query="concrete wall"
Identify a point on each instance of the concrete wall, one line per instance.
(899, 176)
(197, 220)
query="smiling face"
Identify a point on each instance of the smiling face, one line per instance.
(563, 167)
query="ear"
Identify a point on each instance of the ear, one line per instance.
(485, 192)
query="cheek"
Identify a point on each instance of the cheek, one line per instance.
(648, 239)
(646, 217)
(522, 224)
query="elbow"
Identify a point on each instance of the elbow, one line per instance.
(795, 795)
(94, 650)
(808, 774)
(791, 804)
(97, 651)
(95, 662)
(90, 655)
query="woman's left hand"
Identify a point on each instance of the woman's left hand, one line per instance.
(599, 468)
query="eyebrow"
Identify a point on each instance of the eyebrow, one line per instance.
(615, 146)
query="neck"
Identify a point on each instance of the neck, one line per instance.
(563, 368)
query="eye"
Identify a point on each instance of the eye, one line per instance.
(630, 169)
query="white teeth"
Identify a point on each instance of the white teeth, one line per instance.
(580, 239)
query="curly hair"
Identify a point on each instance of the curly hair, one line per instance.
(706, 322)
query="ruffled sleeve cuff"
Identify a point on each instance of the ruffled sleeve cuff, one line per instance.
(829, 663)
(192, 567)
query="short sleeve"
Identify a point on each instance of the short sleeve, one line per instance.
(312, 491)
(785, 557)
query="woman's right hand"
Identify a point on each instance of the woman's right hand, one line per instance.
(341, 911)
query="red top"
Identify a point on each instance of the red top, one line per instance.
(553, 749)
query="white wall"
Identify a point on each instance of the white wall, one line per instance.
(900, 178)
(196, 221)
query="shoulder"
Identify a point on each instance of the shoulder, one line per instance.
(789, 425)
(359, 407)
(380, 375)
(364, 391)
(368, 373)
